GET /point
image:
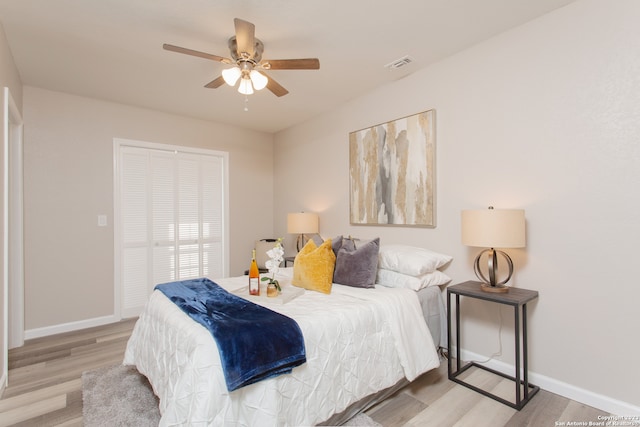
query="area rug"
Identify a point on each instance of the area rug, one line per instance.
(120, 396)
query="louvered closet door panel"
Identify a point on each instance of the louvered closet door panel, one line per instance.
(135, 227)
(212, 179)
(163, 194)
(189, 216)
(136, 272)
(163, 214)
(164, 265)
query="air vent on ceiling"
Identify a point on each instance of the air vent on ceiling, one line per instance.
(398, 63)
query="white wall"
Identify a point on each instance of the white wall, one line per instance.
(545, 117)
(68, 154)
(8, 72)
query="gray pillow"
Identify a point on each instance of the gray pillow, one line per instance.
(357, 266)
(336, 242)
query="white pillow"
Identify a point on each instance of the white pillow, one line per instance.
(410, 260)
(393, 279)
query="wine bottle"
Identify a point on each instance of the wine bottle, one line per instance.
(254, 276)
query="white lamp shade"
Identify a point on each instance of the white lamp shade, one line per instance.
(245, 86)
(302, 223)
(231, 75)
(493, 228)
(259, 80)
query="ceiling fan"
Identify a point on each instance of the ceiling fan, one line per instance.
(249, 67)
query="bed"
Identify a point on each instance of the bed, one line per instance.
(361, 344)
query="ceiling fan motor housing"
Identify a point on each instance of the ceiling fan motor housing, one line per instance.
(258, 48)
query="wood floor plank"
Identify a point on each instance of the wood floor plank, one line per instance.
(396, 410)
(38, 345)
(31, 359)
(452, 406)
(578, 412)
(489, 412)
(40, 394)
(544, 409)
(430, 386)
(31, 410)
(124, 335)
(28, 378)
(75, 422)
(72, 411)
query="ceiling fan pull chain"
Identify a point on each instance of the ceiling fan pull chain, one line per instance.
(246, 103)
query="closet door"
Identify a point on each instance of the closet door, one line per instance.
(171, 219)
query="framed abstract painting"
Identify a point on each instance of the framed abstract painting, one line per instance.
(392, 172)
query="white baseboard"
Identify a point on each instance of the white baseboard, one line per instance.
(599, 401)
(69, 327)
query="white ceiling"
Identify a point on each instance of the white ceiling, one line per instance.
(112, 49)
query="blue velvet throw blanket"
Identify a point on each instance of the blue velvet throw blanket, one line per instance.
(254, 342)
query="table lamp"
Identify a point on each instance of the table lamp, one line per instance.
(302, 223)
(493, 228)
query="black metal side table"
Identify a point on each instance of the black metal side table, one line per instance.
(518, 299)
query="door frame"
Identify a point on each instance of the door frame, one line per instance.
(118, 144)
(13, 241)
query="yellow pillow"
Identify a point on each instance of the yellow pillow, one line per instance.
(313, 267)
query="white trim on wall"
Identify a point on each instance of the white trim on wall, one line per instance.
(16, 225)
(13, 266)
(70, 327)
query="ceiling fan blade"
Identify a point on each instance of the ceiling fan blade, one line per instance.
(291, 64)
(245, 36)
(196, 53)
(214, 84)
(275, 87)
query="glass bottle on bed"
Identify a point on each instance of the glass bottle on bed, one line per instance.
(254, 276)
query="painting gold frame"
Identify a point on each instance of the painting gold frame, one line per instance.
(392, 173)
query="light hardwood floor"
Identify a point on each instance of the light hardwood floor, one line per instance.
(45, 389)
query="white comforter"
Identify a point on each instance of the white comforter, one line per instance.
(358, 341)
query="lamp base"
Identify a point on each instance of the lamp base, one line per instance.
(498, 289)
(300, 242)
(492, 284)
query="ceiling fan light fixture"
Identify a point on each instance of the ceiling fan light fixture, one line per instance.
(258, 79)
(231, 75)
(245, 55)
(245, 87)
